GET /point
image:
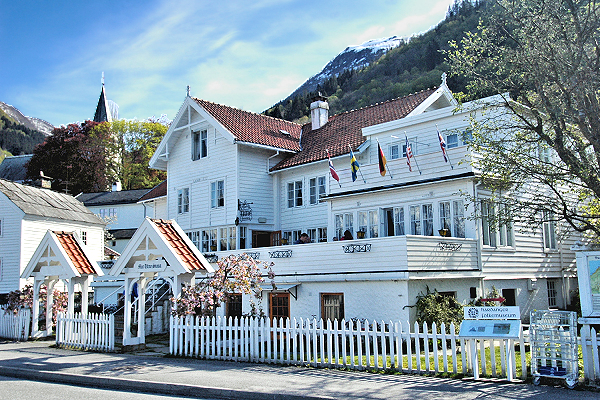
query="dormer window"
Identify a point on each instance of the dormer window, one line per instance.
(199, 144)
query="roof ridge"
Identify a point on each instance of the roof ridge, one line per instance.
(248, 112)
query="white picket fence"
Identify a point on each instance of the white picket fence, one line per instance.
(86, 332)
(590, 351)
(15, 326)
(349, 344)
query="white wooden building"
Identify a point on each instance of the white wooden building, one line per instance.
(26, 215)
(243, 182)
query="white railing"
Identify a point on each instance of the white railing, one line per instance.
(86, 332)
(15, 326)
(590, 351)
(350, 344)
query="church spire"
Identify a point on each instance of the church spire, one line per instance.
(103, 113)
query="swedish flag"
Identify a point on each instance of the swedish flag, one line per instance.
(353, 165)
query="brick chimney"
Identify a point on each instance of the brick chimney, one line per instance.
(319, 111)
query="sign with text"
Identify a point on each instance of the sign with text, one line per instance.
(150, 266)
(490, 329)
(511, 312)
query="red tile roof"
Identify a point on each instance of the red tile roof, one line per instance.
(346, 129)
(159, 190)
(255, 128)
(178, 244)
(75, 253)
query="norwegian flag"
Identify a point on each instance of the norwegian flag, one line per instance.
(334, 173)
(442, 145)
(409, 154)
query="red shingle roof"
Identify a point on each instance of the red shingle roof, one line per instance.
(75, 253)
(159, 190)
(255, 128)
(345, 129)
(178, 244)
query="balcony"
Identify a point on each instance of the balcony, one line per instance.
(396, 257)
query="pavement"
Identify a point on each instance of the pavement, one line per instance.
(151, 371)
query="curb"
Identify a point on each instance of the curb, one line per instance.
(129, 385)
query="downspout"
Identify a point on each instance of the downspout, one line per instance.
(269, 160)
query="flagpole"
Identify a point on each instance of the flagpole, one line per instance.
(445, 152)
(414, 158)
(361, 174)
(386, 167)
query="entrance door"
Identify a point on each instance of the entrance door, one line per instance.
(388, 222)
(266, 238)
(279, 305)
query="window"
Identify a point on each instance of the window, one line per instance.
(510, 297)
(451, 140)
(487, 218)
(295, 194)
(467, 136)
(458, 212)
(445, 220)
(552, 292)
(183, 200)
(243, 236)
(107, 213)
(84, 237)
(195, 238)
(421, 220)
(217, 194)
(394, 151)
(316, 189)
(209, 240)
(427, 219)
(322, 234)
(505, 232)
(227, 238)
(199, 144)
(279, 305)
(549, 230)
(344, 222)
(368, 224)
(415, 220)
(233, 305)
(332, 306)
(399, 221)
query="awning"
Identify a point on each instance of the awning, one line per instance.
(291, 288)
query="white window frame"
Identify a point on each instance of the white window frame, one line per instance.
(199, 144)
(452, 140)
(295, 194)
(343, 222)
(421, 219)
(368, 222)
(183, 200)
(399, 227)
(316, 189)
(394, 151)
(322, 234)
(552, 293)
(549, 231)
(458, 219)
(488, 232)
(217, 194)
(243, 237)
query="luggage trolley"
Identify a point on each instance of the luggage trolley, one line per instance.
(553, 336)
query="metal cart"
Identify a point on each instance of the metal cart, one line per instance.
(553, 336)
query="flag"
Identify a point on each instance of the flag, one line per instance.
(408, 155)
(382, 160)
(353, 165)
(334, 173)
(442, 145)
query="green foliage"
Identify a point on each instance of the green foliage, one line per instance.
(17, 138)
(435, 307)
(413, 66)
(547, 151)
(486, 302)
(4, 154)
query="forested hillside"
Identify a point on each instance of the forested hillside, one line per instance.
(409, 68)
(16, 138)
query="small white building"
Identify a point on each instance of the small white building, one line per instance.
(26, 214)
(244, 182)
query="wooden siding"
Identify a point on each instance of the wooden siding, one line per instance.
(11, 217)
(256, 184)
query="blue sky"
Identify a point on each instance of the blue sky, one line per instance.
(246, 54)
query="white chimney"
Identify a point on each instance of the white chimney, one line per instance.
(319, 111)
(116, 187)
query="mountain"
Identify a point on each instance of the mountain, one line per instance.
(368, 74)
(353, 57)
(30, 122)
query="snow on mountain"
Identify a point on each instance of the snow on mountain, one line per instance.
(30, 122)
(352, 57)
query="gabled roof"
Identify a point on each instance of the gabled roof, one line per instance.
(157, 191)
(255, 128)
(161, 239)
(14, 168)
(47, 203)
(346, 129)
(60, 254)
(109, 198)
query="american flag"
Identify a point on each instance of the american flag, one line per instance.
(409, 154)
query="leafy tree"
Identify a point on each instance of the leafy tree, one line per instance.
(23, 298)
(546, 55)
(77, 157)
(235, 274)
(135, 143)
